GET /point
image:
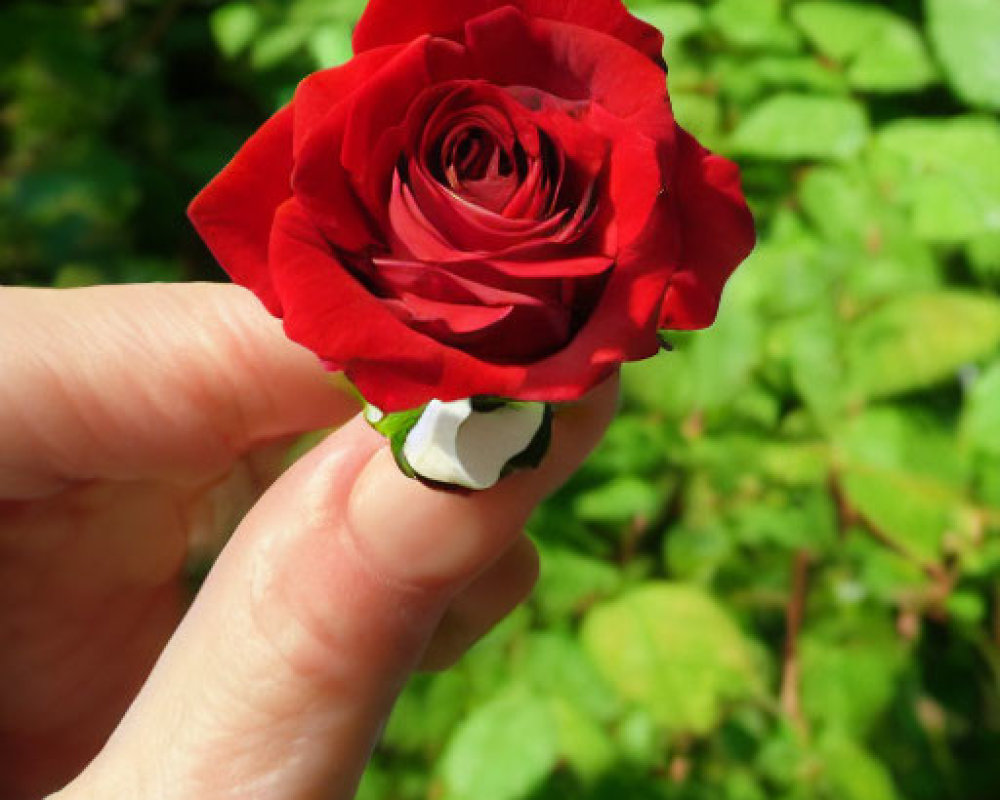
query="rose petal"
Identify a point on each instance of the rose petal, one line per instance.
(233, 214)
(318, 94)
(717, 232)
(449, 319)
(384, 102)
(433, 281)
(323, 187)
(464, 226)
(564, 60)
(335, 158)
(393, 21)
(583, 267)
(329, 311)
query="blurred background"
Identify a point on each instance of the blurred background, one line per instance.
(780, 575)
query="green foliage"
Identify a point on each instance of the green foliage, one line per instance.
(829, 449)
(777, 128)
(964, 33)
(881, 50)
(671, 650)
(503, 749)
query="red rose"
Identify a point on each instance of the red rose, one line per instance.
(491, 198)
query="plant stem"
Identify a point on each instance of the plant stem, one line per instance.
(790, 667)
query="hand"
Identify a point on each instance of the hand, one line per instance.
(139, 423)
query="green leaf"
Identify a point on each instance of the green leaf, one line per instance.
(965, 35)
(884, 574)
(789, 277)
(795, 463)
(427, 711)
(838, 30)
(234, 26)
(698, 113)
(664, 384)
(278, 44)
(583, 743)
(556, 666)
(980, 424)
(330, 45)
(503, 750)
(851, 773)
(883, 51)
(677, 21)
(672, 649)
(896, 60)
(795, 72)
(847, 683)
(920, 340)
(984, 257)
(813, 343)
(966, 607)
(903, 474)
(753, 23)
(797, 126)
(784, 520)
(640, 738)
(945, 172)
(570, 582)
(697, 552)
(375, 785)
(621, 500)
(633, 445)
(723, 357)
(839, 202)
(71, 276)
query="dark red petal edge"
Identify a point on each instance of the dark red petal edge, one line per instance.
(234, 213)
(717, 234)
(394, 21)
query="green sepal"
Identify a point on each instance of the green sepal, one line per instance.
(396, 427)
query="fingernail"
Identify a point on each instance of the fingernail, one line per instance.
(422, 537)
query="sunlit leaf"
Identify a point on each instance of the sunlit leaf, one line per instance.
(502, 750)
(882, 51)
(981, 414)
(964, 33)
(946, 172)
(902, 473)
(234, 26)
(777, 128)
(674, 650)
(920, 340)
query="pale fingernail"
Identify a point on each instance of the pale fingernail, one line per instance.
(423, 537)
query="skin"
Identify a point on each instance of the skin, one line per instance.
(138, 425)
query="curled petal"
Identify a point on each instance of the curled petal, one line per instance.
(552, 267)
(335, 171)
(392, 21)
(563, 60)
(433, 281)
(318, 94)
(234, 213)
(448, 320)
(328, 310)
(717, 231)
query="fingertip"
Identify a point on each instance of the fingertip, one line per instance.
(433, 539)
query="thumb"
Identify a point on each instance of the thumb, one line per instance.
(277, 682)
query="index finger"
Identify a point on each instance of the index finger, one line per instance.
(147, 382)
